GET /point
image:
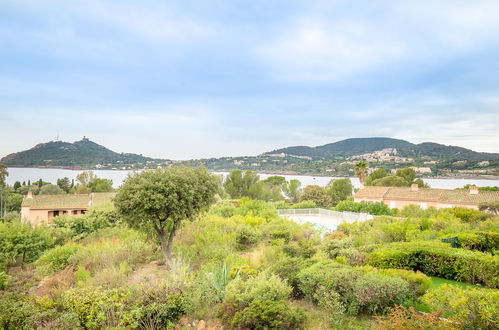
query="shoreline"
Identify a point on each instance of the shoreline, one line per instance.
(79, 168)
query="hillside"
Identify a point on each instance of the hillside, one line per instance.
(358, 146)
(80, 153)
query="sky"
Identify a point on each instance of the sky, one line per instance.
(197, 79)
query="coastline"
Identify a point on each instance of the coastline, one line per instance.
(79, 168)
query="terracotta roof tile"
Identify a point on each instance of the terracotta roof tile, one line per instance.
(69, 201)
(422, 194)
(463, 196)
(371, 192)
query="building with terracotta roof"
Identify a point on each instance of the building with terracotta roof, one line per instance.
(41, 209)
(399, 197)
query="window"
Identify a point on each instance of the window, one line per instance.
(56, 213)
(423, 206)
(74, 212)
(393, 204)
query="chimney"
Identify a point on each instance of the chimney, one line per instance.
(473, 190)
(30, 194)
(414, 187)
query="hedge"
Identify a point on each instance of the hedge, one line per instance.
(481, 240)
(439, 259)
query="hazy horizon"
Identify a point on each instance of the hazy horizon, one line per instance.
(194, 79)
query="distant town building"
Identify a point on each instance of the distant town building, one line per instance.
(422, 170)
(399, 197)
(41, 209)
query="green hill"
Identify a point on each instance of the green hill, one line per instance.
(83, 153)
(358, 146)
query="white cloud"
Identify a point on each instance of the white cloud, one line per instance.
(336, 44)
(319, 51)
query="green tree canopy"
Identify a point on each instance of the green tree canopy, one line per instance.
(238, 183)
(409, 174)
(316, 194)
(160, 200)
(391, 181)
(51, 189)
(101, 185)
(292, 190)
(3, 175)
(64, 184)
(376, 174)
(339, 190)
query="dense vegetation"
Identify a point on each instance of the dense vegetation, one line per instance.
(358, 146)
(80, 153)
(330, 159)
(238, 265)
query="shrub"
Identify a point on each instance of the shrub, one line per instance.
(304, 249)
(481, 241)
(304, 205)
(57, 258)
(375, 208)
(288, 269)
(4, 279)
(419, 283)
(82, 226)
(210, 238)
(246, 237)
(23, 312)
(268, 314)
(437, 259)
(20, 241)
(224, 209)
(358, 290)
(283, 234)
(257, 208)
(243, 292)
(331, 302)
(375, 293)
(96, 308)
(262, 286)
(465, 214)
(402, 318)
(475, 308)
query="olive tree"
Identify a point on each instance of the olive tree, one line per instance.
(160, 200)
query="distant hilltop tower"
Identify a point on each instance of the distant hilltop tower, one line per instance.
(85, 138)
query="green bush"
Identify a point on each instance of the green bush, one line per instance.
(419, 283)
(246, 237)
(302, 248)
(82, 226)
(465, 214)
(376, 293)
(240, 307)
(304, 205)
(4, 279)
(262, 286)
(258, 208)
(476, 308)
(481, 241)
(438, 259)
(97, 308)
(20, 241)
(288, 269)
(375, 208)
(358, 291)
(268, 314)
(223, 209)
(57, 258)
(23, 312)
